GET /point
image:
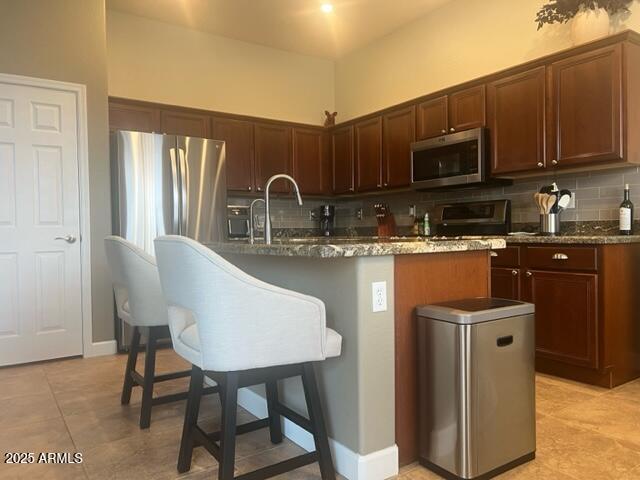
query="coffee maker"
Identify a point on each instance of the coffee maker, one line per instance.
(327, 213)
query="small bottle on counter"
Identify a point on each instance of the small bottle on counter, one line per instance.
(427, 225)
(626, 213)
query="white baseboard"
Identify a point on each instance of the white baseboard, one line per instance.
(96, 349)
(378, 465)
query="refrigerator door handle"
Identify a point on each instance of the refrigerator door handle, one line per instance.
(184, 187)
(175, 191)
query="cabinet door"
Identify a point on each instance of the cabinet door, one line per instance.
(399, 130)
(505, 283)
(309, 165)
(238, 138)
(516, 111)
(139, 118)
(566, 315)
(432, 118)
(343, 167)
(369, 154)
(587, 111)
(272, 155)
(184, 123)
(467, 109)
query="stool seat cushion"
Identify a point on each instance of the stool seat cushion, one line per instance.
(333, 347)
(188, 345)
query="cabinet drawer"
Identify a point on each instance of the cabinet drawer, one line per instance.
(562, 257)
(506, 257)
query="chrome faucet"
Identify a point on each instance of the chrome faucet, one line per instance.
(252, 237)
(267, 209)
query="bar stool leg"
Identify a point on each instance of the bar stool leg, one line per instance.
(228, 428)
(149, 373)
(314, 408)
(275, 428)
(131, 366)
(190, 419)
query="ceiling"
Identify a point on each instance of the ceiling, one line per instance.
(293, 25)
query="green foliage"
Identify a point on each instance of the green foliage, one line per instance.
(561, 11)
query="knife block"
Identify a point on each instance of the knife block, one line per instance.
(386, 225)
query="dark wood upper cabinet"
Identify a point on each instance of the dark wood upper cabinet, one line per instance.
(342, 158)
(310, 166)
(467, 109)
(130, 116)
(238, 138)
(566, 315)
(399, 130)
(432, 118)
(185, 123)
(368, 154)
(587, 108)
(272, 155)
(516, 114)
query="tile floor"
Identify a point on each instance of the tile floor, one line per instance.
(74, 406)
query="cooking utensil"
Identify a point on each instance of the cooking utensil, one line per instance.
(564, 200)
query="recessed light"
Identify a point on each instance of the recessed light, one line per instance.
(326, 8)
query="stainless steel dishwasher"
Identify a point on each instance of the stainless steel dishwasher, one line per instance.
(476, 386)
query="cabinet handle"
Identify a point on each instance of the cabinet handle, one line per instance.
(386, 184)
(351, 189)
(560, 256)
(529, 274)
(514, 273)
(554, 162)
(493, 254)
(452, 129)
(259, 189)
(540, 164)
(249, 188)
(443, 131)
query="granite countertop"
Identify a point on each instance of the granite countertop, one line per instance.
(336, 247)
(587, 239)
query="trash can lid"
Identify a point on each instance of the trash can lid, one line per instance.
(475, 310)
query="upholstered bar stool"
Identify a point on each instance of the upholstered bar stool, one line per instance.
(140, 303)
(240, 331)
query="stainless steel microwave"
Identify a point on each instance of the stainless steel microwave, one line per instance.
(456, 159)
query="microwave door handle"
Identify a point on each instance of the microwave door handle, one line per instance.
(175, 192)
(184, 186)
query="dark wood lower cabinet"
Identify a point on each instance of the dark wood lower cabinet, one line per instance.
(566, 315)
(587, 307)
(505, 283)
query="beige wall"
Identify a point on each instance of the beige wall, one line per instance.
(461, 40)
(65, 40)
(154, 61)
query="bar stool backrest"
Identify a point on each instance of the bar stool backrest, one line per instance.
(135, 277)
(242, 322)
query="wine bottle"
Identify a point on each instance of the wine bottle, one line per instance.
(626, 214)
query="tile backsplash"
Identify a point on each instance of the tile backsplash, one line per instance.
(598, 196)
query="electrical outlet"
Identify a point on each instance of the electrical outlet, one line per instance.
(379, 296)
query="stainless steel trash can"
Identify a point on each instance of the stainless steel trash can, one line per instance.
(476, 386)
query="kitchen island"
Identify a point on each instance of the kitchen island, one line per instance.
(370, 391)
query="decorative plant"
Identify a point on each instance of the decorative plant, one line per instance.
(561, 11)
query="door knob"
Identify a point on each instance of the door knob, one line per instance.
(540, 164)
(554, 162)
(529, 274)
(514, 273)
(443, 131)
(67, 238)
(452, 129)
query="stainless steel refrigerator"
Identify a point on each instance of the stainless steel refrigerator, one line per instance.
(166, 185)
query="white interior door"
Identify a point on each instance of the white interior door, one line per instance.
(40, 263)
